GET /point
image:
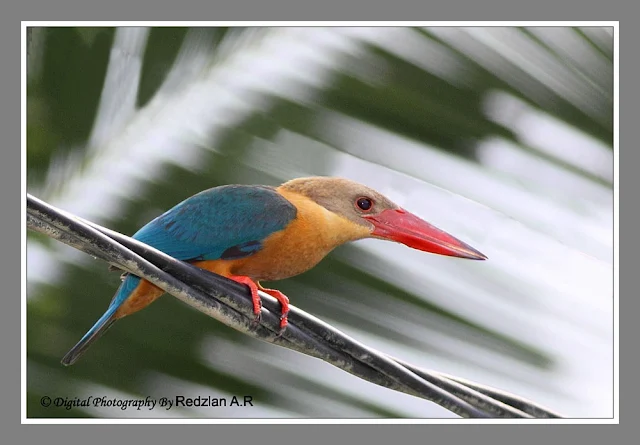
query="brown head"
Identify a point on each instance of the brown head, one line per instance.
(383, 218)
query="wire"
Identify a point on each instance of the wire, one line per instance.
(230, 303)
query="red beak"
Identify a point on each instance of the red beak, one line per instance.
(406, 228)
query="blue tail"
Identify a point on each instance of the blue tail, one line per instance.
(94, 333)
(104, 323)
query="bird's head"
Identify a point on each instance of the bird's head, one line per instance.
(383, 218)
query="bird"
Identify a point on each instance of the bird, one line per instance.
(254, 233)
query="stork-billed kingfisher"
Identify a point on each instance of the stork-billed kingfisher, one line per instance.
(251, 233)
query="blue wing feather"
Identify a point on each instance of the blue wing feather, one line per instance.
(223, 222)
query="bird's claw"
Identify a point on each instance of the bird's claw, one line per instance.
(284, 321)
(257, 311)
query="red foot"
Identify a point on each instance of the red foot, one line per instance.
(284, 302)
(257, 303)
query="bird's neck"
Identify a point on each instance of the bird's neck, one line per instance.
(326, 228)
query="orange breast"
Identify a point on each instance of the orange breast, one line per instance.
(301, 245)
(297, 248)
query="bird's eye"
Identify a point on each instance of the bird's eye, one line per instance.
(364, 204)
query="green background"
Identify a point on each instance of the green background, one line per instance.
(501, 136)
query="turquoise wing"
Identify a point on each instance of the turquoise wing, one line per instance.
(224, 222)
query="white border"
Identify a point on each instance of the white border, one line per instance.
(23, 228)
(616, 398)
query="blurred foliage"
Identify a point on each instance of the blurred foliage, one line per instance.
(374, 84)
